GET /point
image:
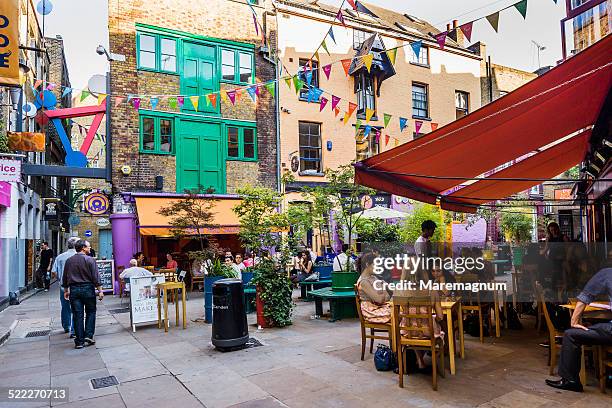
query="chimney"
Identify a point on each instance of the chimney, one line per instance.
(457, 34)
(448, 27)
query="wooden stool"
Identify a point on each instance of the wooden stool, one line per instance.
(163, 288)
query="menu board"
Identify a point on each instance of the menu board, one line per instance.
(143, 298)
(106, 270)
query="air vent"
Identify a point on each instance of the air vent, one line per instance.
(104, 382)
(38, 333)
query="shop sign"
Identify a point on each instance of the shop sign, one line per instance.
(563, 194)
(10, 170)
(9, 43)
(51, 210)
(96, 203)
(102, 222)
(143, 299)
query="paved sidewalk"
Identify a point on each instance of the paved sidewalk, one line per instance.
(312, 363)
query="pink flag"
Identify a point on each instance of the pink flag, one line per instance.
(180, 100)
(232, 96)
(323, 103)
(335, 101)
(417, 126)
(377, 136)
(327, 70)
(136, 102)
(441, 39)
(340, 17)
(467, 30)
(118, 100)
(50, 87)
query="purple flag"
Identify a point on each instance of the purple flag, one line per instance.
(327, 70)
(323, 103)
(335, 101)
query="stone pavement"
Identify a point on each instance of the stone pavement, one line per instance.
(313, 363)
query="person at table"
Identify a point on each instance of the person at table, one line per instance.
(134, 271)
(580, 335)
(304, 267)
(229, 262)
(374, 298)
(344, 260)
(442, 276)
(422, 246)
(170, 262)
(140, 258)
(248, 261)
(238, 261)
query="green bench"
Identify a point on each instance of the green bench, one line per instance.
(307, 287)
(341, 304)
(249, 298)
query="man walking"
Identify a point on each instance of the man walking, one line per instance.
(422, 245)
(44, 267)
(58, 272)
(80, 280)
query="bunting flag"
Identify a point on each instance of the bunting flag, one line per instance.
(336, 111)
(402, 123)
(330, 33)
(223, 95)
(417, 126)
(207, 100)
(251, 91)
(316, 54)
(357, 124)
(346, 118)
(119, 100)
(37, 83)
(467, 30)
(309, 77)
(213, 99)
(154, 102)
(130, 97)
(366, 131)
(335, 101)
(195, 101)
(84, 95)
(324, 45)
(288, 82)
(346, 64)
(314, 94)
(180, 100)
(387, 118)
(67, 90)
(434, 126)
(298, 83)
(416, 48)
(441, 39)
(50, 87)
(521, 6)
(271, 87)
(238, 94)
(232, 96)
(396, 143)
(369, 114)
(392, 54)
(367, 61)
(102, 98)
(172, 102)
(377, 136)
(323, 103)
(255, 22)
(327, 70)
(493, 19)
(340, 17)
(351, 108)
(387, 137)
(136, 103)
(352, 3)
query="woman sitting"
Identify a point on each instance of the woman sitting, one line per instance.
(171, 263)
(375, 305)
(304, 267)
(442, 276)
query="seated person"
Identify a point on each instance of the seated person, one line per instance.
(375, 303)
(442, 276)
(140, 258)
(579, 335)
(134, 271)
(304, 267)
(239, 262)
(229, 261)
(170, 262)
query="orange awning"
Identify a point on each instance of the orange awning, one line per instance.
(567, 99)
(153, 223)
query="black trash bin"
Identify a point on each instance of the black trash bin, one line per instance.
(229, 328)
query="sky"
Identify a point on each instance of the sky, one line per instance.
(83, 25)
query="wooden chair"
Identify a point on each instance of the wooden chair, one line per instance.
(435, 345)
(195, 280)
(554, 335)
(604, 359)
(473, 304)
(374, 328)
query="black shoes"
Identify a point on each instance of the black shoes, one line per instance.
(89, 342)
(564, 384)
(78, 346)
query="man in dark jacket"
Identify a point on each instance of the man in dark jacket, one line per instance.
(79, 282)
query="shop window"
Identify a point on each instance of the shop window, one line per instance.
(156, 53)
(236, 66)
(310, 147)
(241, 143)
(420, 101)
(366, 98)
(462, 104)
(156, 135)
(314, 83)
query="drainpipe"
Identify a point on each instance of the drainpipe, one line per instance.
(490, 78)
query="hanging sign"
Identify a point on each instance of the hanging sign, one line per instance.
(143, 299)
(26, 141)
(9, 43)
(96, 203)
(10, 170)
(51, 210)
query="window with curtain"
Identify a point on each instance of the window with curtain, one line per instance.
(462, 104)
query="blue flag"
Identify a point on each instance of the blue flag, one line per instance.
(331, 34)
(416, 47)
(366, 131)
(154, 102)
(403, 122)
(67, 90)
(251, 91)
(314, 94)
(308, 77)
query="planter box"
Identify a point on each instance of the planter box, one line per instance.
(324, 271)
(344, 281)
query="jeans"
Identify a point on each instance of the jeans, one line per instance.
(41, 279)
(66, 312)
(573, 340)
(83, 303)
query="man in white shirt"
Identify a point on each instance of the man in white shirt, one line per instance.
(134, 271)
(58, 272)
(341, 260)
(422, 246)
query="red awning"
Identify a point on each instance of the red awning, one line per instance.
(565, 100)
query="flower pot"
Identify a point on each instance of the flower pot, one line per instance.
(344, 281)
(208, 282)
(261, 319)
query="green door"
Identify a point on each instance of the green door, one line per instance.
(199, 77)
(200, 160)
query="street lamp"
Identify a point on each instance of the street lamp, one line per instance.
(110, 57)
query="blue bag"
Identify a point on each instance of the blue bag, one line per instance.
(384, 358)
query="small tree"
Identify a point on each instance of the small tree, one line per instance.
(321, 208)
(411, 229)
(377, 230)
(300, 218)
(517, 226)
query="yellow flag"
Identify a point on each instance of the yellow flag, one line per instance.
(101, 98)
(346, 118)
(223, 96)
(396, 142)
(367, 60)
(316, 55)
(369, 114)
(392, 54)
(194, 101)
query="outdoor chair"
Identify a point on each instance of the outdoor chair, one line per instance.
(604, 359)
(472, 303)
(374, 328)
(195, 280)
(124, 284)
(412, 337)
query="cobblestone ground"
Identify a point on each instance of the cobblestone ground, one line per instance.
(313, 363)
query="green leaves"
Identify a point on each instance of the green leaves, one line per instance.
(411, 229)
(516, 225)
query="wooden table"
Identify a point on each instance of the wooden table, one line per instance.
(162, 290)
(447, 308)
(496, 311)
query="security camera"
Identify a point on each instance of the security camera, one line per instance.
(101, 50)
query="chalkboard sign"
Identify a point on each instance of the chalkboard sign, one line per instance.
(106, 269)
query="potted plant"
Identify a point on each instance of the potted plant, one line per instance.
(517, 228)
(262, 228)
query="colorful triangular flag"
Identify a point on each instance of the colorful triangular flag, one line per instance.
(416, 48)
(195, 101)
(37, 83)
(387, 118)
(358, 124)
(493, 19)
(467, 30)
(252, 94)
(336, 111)
(369, 114)
(309, 77)
(50, 87)
(335, 100)
(396, 142)
(271, 87)
(323, 103)
(118, 100)
(154, 102)
(232, 96)
(402, 123)
(434, 126)
(325, 47)
(417, 126)
(223, 95)
(392, 54)
(172, 102)
(352, 3)
(377, 136)
(239, 93)
(136, 103)
(367, 61)
(180, 100)
(67, 90)
(340, 17)
(351, 108)
(298, 83)
(331, 34)
(327, 70)
(314, 94)
(346, 64)
(213, 99)
(288, 82)
(387, 137)
(84, 95)
(521, 6)
(255, 22)
(346, 118)
(441, 39)
(366, 131)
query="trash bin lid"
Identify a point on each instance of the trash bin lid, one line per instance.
(227, 282)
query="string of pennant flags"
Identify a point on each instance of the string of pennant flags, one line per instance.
(300, 81)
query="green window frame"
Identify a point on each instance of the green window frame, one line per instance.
(156, 52)
(237, 66)
(241, 142)
(157, 134)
